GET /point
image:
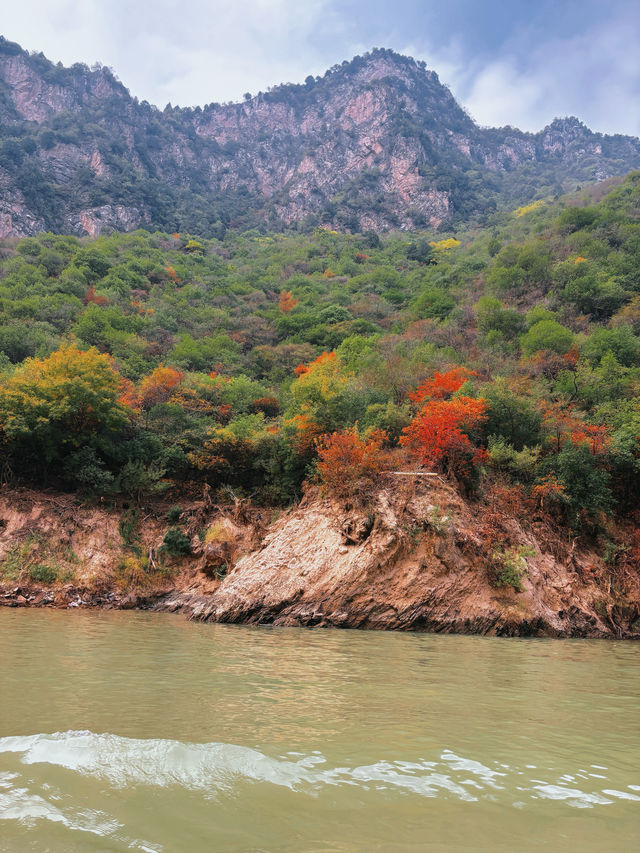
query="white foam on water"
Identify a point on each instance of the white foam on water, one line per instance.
(19, 804)
(572, 796)
(621, 795)
(217, 768)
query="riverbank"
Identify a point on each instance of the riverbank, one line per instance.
(417, 558)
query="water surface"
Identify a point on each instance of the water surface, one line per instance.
(129, 731)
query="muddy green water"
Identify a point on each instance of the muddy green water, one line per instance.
(125, 731)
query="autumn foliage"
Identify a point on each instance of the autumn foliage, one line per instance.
(321, 361)
(442, 385)
(307, 434)
(438, 435)
(158, 386)
(563, 426)
(349, 464)
(92, 297)
(268, 405)
(548, 492)
(63, 400)
(287, 301)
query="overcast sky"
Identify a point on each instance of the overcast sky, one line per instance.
(519, 62)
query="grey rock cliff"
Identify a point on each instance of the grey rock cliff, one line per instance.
(377, 142)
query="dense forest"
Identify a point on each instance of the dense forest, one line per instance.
(134, 363)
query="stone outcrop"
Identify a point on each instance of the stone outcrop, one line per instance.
(376, 143)
(416, 558)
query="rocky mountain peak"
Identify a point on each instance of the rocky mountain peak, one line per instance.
(376, 142)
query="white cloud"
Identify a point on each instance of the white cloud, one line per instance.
(594, 75)
(199, 51)
(189, 53)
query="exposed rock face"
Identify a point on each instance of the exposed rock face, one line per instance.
(416, 559)
(111, 217)
(37, 98)
(410, 564)
(376, 143)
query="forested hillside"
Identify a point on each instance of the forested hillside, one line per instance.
(509, 354)
(375, 143)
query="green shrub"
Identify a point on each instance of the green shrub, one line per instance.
(511, 566)
(585, 482)
(176, 543)
(173, 516)
(511, 417)
(504, 457)
(41, 573)
(128, 527)
(547, 335)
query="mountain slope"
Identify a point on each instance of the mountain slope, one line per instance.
(377, 143)
(503, 363)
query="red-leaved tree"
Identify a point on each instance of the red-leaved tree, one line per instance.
(442, 385)
(439, 435)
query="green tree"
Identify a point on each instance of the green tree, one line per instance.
(547, 335)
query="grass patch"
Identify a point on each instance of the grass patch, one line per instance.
(13, 562)
(511, 566)
(128, 528)
(43, 573)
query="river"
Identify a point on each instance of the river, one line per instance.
(134, 731)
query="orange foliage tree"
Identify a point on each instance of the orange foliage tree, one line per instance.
(96, 298)
(322, 361)
(564, 426)
(306, 435)
(159, 386)
(269, 406)
(438, 435)
(549, 492)
(348, 464)
(287, 301)
(442, 385)
(595, 436)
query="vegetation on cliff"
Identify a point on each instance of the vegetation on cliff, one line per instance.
(377, 142)
(131, 362)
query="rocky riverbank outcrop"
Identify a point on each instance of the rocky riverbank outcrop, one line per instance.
(418, 558)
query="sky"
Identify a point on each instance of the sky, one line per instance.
(517, 62)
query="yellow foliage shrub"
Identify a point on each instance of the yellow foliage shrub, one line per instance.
(445, 245)
(529, 208)
(133, 574)
(217, 532)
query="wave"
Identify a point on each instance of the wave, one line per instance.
(220, 768)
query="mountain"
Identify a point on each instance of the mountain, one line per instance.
(376, 143)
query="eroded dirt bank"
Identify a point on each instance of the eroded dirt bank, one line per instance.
(419, 558)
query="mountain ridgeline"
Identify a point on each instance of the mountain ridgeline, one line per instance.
(376, 143)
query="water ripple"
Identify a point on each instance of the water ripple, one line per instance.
(217, 768)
